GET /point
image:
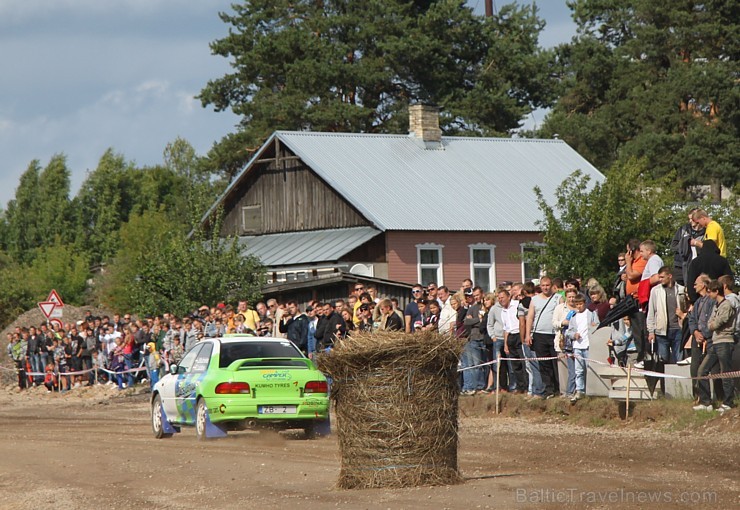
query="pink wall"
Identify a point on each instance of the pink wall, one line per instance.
(402, 263)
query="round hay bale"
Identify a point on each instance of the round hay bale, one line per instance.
(396, 400)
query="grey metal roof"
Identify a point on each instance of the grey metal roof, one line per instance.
(306, 247)
(473, 184)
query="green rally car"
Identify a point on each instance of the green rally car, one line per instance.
(240, 382)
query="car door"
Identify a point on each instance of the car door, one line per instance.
(189, 380)
(184, 388)
(171, 384)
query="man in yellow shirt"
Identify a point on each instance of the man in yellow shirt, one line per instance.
(713, 231)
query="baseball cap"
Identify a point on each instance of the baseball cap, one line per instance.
(468, 292)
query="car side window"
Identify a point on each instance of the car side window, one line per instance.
(187, 362)
(201, 361)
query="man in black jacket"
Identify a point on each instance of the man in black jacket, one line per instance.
(33, 354)
(330, 327)
(295, 325)
(708, 262)
(684, 251)
(390, 320)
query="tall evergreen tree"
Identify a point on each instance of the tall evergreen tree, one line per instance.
(54, 205)
(355, 65)
(655, 79)
(22, 215)
(98, 208)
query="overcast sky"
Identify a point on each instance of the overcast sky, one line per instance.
(80, 76)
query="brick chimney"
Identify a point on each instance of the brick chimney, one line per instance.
(424, 123)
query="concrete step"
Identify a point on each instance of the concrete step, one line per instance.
(635, 382)
(611, 372)
(635, 394)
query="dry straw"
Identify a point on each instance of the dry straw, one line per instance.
(396, 399)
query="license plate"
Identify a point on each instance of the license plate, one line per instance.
(276, 409)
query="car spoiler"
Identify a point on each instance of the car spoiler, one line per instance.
(238, 364)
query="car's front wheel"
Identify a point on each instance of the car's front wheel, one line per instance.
(201, 414)
(157, 423)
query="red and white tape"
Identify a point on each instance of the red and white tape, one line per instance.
(640, 371)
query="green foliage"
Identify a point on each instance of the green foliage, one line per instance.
(197, 191)
(591, 222)
(15, 296)
(52, 195)
(54, 267)
(98, 207)
(58, 267)
(159, 269)
(653, 79)
(49, 241)
(354, 66)
(21, 232)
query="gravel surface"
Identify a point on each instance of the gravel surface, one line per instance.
(93, 448)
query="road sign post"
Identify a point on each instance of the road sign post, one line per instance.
(47, 308)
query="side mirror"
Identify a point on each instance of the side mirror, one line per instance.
(173, 369)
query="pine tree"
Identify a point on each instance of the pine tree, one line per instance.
(355, 65)
(654, 79)
(22, 215)
(53, 220)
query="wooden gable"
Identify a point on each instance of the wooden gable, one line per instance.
(280, 193)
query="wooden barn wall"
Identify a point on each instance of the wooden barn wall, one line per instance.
(292, 199)
(371, 251)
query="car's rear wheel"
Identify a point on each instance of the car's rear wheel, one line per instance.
(201, 413)
(157, 425)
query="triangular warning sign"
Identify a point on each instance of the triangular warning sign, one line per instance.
(47, 307)
(54, 298)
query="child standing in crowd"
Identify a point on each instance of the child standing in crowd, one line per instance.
(152, 364)
(118, 363)
(580, 328)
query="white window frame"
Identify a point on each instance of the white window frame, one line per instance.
(244, 210)
(491, 268)
(530, 245)
(419, 265)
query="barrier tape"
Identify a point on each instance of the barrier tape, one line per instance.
(561, 356)
(643, 372)
(79, 372)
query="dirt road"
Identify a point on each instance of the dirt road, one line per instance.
(94, 449)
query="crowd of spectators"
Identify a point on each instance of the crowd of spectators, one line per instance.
(669, 322)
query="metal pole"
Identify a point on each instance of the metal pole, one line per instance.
(498, 367)
(629, 380)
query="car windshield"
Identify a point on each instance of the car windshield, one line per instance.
(231, 352)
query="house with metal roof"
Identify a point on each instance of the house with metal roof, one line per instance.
(395, 208)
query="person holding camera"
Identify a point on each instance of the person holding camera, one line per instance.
(294, 324)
